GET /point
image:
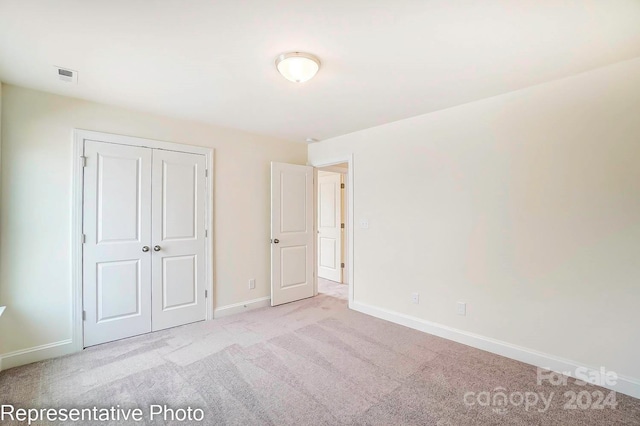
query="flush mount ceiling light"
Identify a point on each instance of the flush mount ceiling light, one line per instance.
(297, 66)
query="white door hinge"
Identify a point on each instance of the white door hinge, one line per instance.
(84, 238)
(206, 294)
(206, 172)
(206, 233)
(84, 315)
(83, 161)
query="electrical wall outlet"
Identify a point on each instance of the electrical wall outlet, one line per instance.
(364, 223)
(252, 284)
(461, 308)
(415, 298)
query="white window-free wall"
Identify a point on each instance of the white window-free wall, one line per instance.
(525, 206)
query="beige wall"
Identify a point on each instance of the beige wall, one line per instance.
(35, 210)
(526, 206)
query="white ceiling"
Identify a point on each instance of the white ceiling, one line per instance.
(382, 60)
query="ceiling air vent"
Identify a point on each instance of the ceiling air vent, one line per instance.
(67, 75)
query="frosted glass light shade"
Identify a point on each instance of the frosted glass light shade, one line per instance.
(297, 66)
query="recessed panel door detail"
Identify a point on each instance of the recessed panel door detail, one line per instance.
(329, 226)
(178, 239)
(179, 276)
(118, 295)
(293, 266)
(179, 208)
(117, 227)
(291, 233)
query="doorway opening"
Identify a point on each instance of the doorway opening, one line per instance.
(298, 247)
(332, 230)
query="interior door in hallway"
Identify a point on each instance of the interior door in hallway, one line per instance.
(291, 233)
(330, 226)
(116, 253)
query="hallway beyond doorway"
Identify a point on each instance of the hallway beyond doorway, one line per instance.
(333, 289)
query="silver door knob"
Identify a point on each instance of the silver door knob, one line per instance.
(145, 249)
(276, 241)
(156, 248)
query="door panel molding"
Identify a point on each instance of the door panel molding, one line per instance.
(79, 136)
(292, 260)
(329, 230)
(177, 195)
(105, 315)
(116, 272)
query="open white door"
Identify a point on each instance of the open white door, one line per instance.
(330, 226)
(291, 233)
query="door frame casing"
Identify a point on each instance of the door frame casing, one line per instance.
(348, 158)
(78, 138)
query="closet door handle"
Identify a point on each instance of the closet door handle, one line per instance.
(145, 248)
(156, 248)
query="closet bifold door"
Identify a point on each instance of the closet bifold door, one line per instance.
(178, 234)
(117, 232)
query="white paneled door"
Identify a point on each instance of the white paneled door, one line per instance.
(291, 233)
(330, 226)
(178, 239)
(143, 254)
(117, 229)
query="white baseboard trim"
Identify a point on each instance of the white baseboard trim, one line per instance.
(36, 353)
(626, 385)
(236, 308)
(65, 347)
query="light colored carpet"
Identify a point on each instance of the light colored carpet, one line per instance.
(312, 362)
(333, 289)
